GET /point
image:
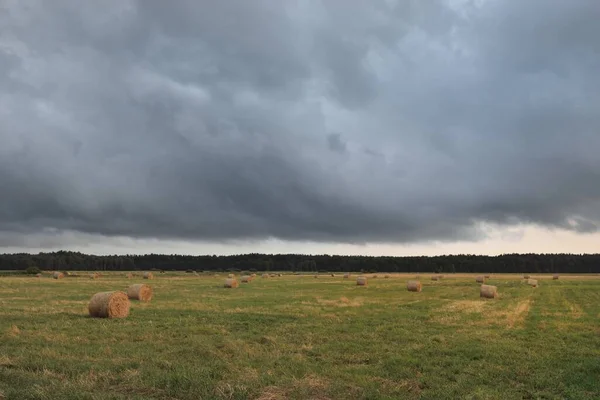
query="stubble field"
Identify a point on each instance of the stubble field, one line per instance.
(297, 337)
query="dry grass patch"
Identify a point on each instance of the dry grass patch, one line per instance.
(465, 306)
(341, 302)
(517, 317)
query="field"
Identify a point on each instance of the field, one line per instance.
(297, 337)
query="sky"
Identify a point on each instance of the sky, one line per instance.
(322, 127)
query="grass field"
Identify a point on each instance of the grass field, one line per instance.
(296, 337)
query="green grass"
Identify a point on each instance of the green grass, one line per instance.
(297, 337)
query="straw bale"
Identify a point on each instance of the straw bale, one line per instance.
(414, 286)
(231, 283)
(109, 305)
(488, 291)
(139, 291)
(361, 281)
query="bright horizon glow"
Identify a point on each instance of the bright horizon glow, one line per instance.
(522, 239)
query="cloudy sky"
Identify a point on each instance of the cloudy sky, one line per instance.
(333, 126)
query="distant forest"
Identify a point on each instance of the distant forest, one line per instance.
(515, 263)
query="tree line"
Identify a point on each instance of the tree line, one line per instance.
(508, 263)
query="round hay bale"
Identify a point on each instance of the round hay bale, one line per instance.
(316, 276)
(265, 275)
(231, 283)
(525, 276)
(374, 276)
(555, 277)
(129, 275)
(332, 275)
(231, 276)
(109, 305)
(246, 279)
(532, 282)
(148, 275)
(253, 275)
(361, 281)
(58, 275)
(38, 275)
(435, 278)
(94, 276)
(486, 276)
(346, 275)
(279, 275)
(414, 286)
(139, 291)
(386, 276)
(488, 291)
(480, 279)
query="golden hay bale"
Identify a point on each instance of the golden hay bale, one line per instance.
(435, 278)
(316, 276)
(486, 276)
(231, 283)
(58, 275)
(148, 275)
(532, 282)
(374, 276)
(253, 275)
(488, 291)
(231, 276)
(555, 277)
(525, 276)
(129, 275)
(333, 275)
(361, 281)
(139, 291)
(278, 274)
(38, 275)
(414, 286)
(346, 275)
(265, 275)
(246, 278)
(480, 279)
(109, 305)
(386, 276)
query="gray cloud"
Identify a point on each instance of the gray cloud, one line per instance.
(343, 121)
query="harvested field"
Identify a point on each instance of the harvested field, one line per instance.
(296, 337)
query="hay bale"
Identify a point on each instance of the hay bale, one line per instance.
(480, 279)
(265, 275)
(555, 277)
(109, 305)
(374, 276)
(361, 281)
(435, 278)
(231, 276)
(414, 286)
(525, 276)
(386, 276)
(486, 276)
(148, 275)
(246, 279)
(94, 276)
(58, 275)
(231, 283)
(346, 275)
(279, 275)
(139, 291)
(488, 291)
(532, 282)
(316, 276)
(332, 275)
(38, 275)
(253, 275)
(129, 275)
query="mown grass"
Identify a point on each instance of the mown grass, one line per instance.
(296, 337)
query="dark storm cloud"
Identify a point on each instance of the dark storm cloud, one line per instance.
(343, 121)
